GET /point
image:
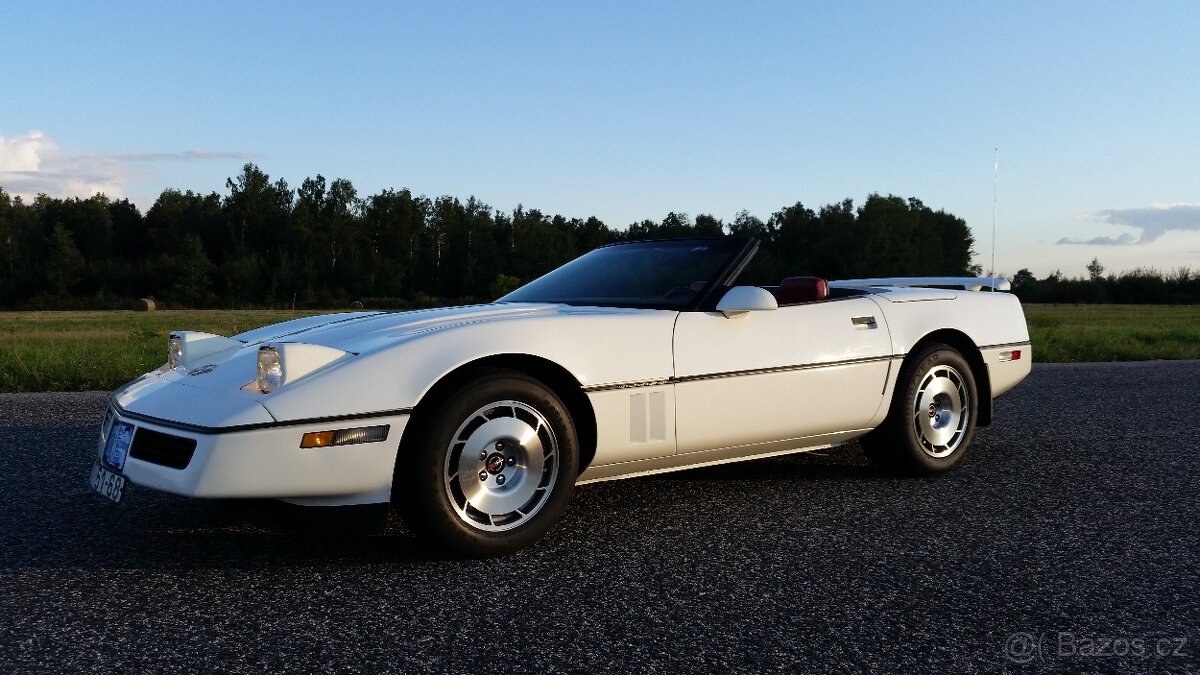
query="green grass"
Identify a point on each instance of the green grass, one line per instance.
(72, 351)
(1079, 333)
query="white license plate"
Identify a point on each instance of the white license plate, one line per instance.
(107, 483)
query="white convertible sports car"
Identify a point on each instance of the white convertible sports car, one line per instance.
(477, 422)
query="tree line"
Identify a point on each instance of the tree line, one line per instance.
(266, 244)
(1139, 286)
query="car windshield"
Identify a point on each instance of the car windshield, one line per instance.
(667, 274)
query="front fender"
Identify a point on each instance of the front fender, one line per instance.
(595, 347)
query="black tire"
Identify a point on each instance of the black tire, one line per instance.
(935, 379)
(503, 495)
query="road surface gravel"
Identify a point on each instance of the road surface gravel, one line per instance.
(1067, 540)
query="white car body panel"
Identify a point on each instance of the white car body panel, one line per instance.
(171, 396)
(403, 355)
(634, 423)
(793, 372)
(668, 389)
(986, 318)
(267, 463)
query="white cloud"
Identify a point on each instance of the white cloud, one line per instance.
(1153, 221)
(1125, 239)
(32, 163)
(22, 153)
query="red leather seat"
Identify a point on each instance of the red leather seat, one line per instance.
(793, 290)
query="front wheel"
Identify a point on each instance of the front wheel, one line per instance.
(494, 469)
(932, 419)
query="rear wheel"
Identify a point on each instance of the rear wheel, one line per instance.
(494, 469)
(932, 419)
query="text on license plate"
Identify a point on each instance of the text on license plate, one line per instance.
(107, 483)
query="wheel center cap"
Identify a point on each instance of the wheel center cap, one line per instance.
(494, 463)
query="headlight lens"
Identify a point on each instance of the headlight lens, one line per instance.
(270, 370)
(174, 351)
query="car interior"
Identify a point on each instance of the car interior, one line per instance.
(799, 290)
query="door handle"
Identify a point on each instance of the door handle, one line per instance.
(863, 322)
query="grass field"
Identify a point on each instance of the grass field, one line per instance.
(1079, 333)
(71, 351)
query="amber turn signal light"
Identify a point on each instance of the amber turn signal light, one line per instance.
(324, 439)
(316, 439)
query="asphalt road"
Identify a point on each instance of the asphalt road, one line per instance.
(1067, 539)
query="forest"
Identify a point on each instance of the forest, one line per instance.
(263, 244)
(1138, 286)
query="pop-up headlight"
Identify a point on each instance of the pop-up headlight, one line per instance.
(174, 351)
(190, 348)
(270, 370)
(286, 362)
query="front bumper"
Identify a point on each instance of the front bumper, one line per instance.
(263, 462)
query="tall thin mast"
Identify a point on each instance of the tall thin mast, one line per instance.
(995, 185)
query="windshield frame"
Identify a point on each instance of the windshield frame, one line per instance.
(742, 250)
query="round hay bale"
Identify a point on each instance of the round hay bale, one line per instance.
(145, 305)
(357, 304)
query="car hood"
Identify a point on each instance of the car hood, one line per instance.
(354, 332)
(219, 392)
(171, 394)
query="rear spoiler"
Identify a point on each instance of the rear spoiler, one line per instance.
(956, 283)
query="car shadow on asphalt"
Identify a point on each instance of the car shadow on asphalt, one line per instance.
(155, 531)
(151, 530)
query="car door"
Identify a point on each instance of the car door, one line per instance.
(776, 375)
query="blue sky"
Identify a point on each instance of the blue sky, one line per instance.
(629, 111)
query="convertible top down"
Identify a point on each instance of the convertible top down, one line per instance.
(475, 423)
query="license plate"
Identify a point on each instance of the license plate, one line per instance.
(107, 483)
(117, 447)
